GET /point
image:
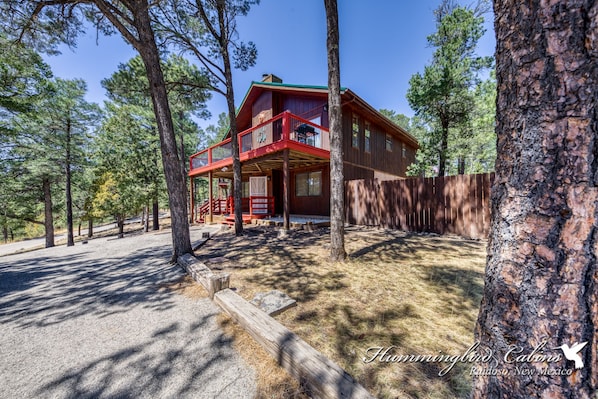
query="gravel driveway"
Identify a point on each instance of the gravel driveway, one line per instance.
(91, 321)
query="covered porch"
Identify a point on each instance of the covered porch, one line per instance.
(282, 159)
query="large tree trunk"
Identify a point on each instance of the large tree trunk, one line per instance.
(89, 226)
(70, 241)
(232, 115)
(175, 179)
(237, 174)
(337, 181)
(48, 216)
(541, 273)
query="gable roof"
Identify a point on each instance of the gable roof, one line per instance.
(244, 113)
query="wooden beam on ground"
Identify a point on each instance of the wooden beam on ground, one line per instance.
(212, 282)
(318, 375)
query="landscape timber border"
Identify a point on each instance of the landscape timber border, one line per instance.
(319, 376)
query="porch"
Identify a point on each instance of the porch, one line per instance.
(269, 153)
(254, 207)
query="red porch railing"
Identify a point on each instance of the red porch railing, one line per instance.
(255, 205)
(272, 135)
(219, 207)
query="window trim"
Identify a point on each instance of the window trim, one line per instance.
(388, 142)
(309, 176)
(367, 137)
(355, 133)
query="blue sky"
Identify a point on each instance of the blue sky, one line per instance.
(382, 44)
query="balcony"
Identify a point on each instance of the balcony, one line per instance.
(284, 131)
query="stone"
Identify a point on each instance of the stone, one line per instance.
(274, 302)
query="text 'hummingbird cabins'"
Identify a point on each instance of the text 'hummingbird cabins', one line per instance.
(285, 151)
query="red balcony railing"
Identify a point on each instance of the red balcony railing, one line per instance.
(285, 127)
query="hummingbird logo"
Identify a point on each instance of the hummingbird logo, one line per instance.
(572, 353)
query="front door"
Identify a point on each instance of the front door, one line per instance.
(258, 187)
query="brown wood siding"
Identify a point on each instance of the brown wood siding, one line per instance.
(378, 158)
(354, 172)
(319, 205)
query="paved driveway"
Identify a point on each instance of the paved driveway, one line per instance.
(92, 321)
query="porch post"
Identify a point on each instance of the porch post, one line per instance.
(192, 201)
(286, 187)
(210, 198)
(286, 126)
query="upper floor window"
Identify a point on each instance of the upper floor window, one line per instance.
(404, 149)
(388, 142)
(355, 131)
(367, 134)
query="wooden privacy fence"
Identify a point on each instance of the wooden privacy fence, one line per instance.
(452, 204)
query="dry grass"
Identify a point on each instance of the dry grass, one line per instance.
(273, 382)
(419, 293)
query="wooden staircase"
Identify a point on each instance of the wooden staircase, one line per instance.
(247, 218)
(259, 208)
(219, 207)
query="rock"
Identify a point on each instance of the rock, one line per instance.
(273, 302)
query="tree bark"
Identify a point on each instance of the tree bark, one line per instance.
(48, 216)
(337, 180)
(155, 215)
(461, 165)
(175, 179)
(541, 273)
(232, 115)
(90, 227)
(146, 211)
(443, 149)
(70, 241)
(120, 222)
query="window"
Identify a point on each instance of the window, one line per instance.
(355, 129)
(404, 149)
(245, 189)
(308, 184)
(388, 142)
(367, 136)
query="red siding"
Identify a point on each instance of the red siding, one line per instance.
(307, 107)
(319, 205)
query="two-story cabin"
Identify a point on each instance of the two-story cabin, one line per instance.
(285, 150)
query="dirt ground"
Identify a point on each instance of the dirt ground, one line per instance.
(419, 293)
